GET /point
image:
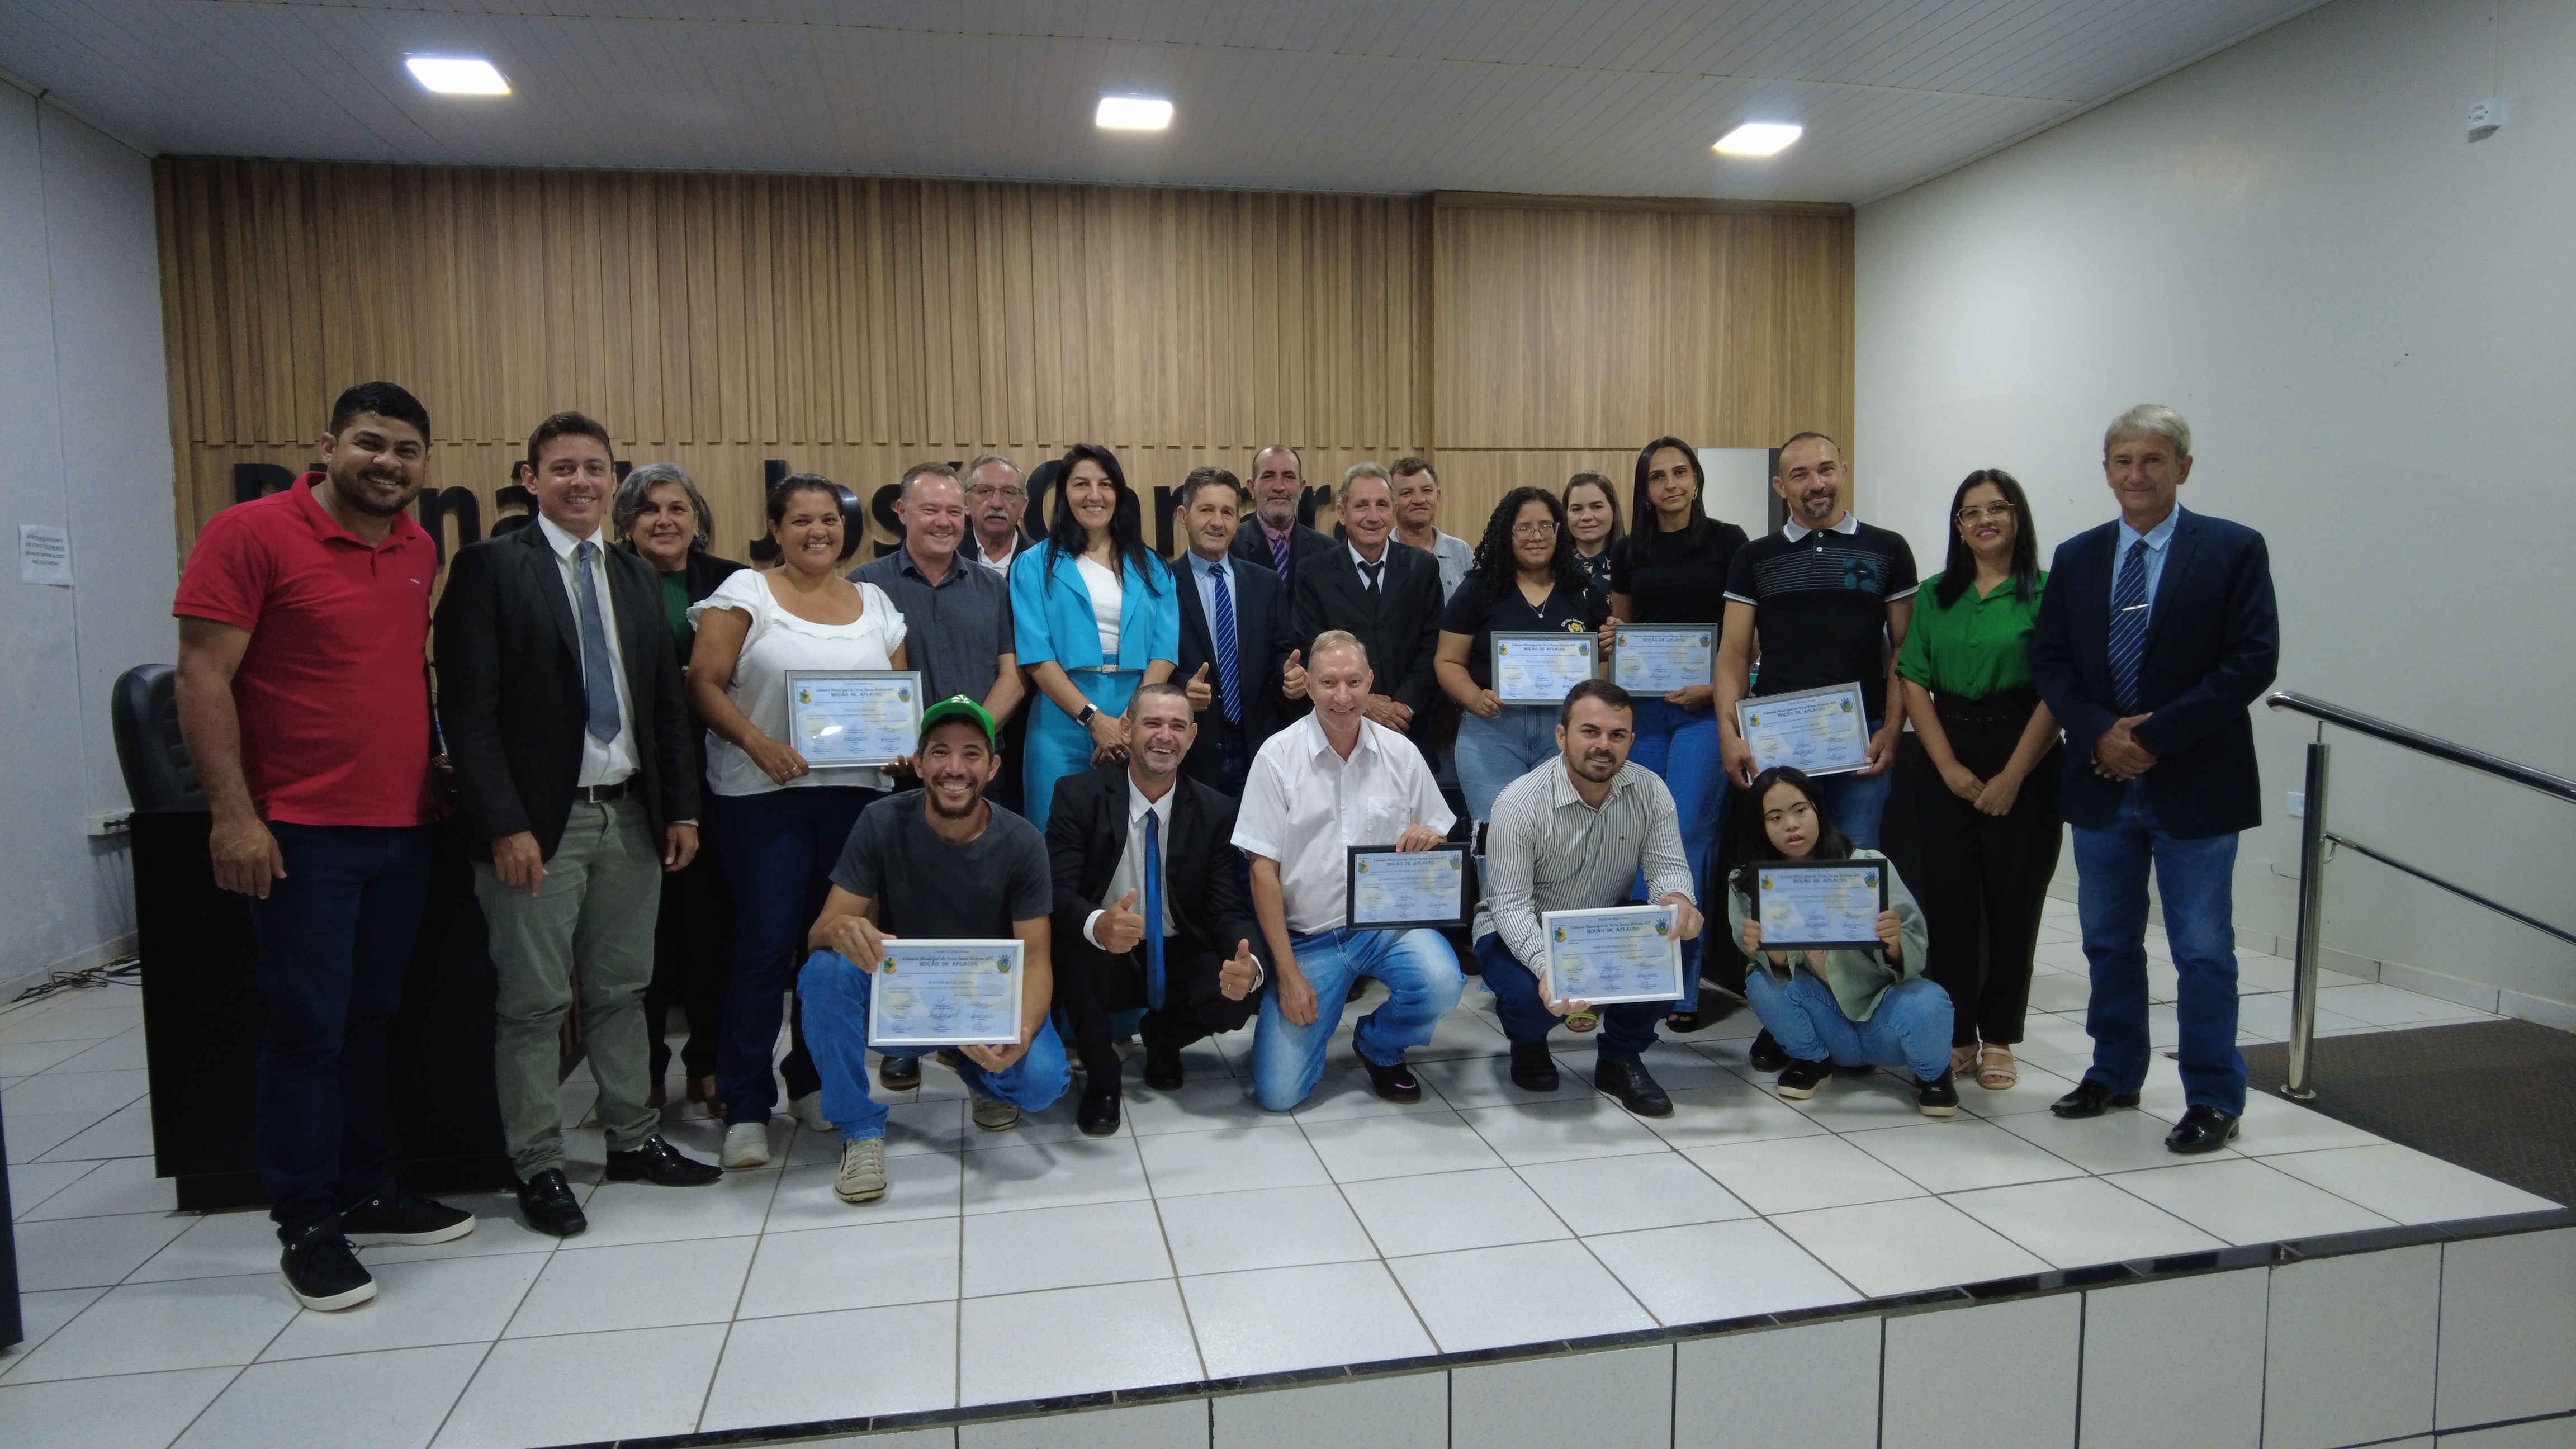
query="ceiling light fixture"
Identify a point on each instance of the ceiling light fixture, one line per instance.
(1133, 113)
(1759, 138)
(457, 75)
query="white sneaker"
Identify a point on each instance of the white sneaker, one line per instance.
(746, 1144)
(862, 1177)
(808, 1112)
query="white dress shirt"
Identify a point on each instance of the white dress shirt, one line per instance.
(1130, 874)
(602, 762)
(1303, 804)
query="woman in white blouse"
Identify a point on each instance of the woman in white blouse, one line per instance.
(783, 824)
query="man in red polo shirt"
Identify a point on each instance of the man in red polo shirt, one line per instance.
(304, 697)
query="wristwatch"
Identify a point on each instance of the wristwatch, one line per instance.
(1084, 719)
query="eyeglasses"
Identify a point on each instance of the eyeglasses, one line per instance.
(1007, 495)
(1972, 515)
(1533, 530)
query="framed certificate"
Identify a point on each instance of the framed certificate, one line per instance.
(1541, 668)
(853, 718)
(1656, 659)
(1820, 905)
(1821, 731)
(1393, 890)
(946, 993)
(1603, 957)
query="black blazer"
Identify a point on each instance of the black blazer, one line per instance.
(1399, 623)
(510, 690)
(1087, 833)
(1303, 543)
(2213, 646)
(1262, 641)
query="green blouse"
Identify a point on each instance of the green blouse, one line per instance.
(675, 609)
(1974, 648)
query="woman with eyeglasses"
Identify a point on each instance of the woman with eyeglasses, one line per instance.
(1987, 806)
(1592, 517)
(1525, 579)
(1094, 614)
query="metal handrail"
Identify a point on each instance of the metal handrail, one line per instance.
(2314, 837)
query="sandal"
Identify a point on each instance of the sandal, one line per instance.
(1998, 1071)
(1582, 1021)
(1686, 1022)
(1963, 1060)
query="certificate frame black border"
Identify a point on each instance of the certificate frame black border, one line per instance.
(1860, 706)
(1016, 948)
(794, 675)
(1716, 634)
(1351, 856)
(1558, 636)
(1881, 865)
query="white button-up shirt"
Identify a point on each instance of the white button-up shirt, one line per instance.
(602, 763)
(1130, 874)
(1303, 805)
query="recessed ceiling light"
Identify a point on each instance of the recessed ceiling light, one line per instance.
(1133, 113)
(1758, 138)
(457, 75)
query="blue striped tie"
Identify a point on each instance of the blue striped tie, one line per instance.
(2129, 626)
(1226, 647)
(1153, 914)
(1279, 556)
(598, 678)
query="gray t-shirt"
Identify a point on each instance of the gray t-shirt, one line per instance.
(927, 888)
(956, 630)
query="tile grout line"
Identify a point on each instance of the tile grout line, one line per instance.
(1163, 1235)
(1384, 1265)
(777, 1184)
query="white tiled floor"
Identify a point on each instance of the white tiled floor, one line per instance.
(1206, 1239)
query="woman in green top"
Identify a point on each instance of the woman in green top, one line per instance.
(1987, 807)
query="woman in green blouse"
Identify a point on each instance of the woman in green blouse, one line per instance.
(1988, 806)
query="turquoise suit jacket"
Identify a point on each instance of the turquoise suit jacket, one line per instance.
(1051, 613)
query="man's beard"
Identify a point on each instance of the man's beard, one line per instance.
(943, 812)
(357, 497)
(1587, 766)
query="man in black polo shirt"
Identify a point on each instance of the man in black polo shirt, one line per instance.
(1831, 597)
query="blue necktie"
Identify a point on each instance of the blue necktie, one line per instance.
(598, 677)
(2129, 626)
(1226, 658)
(1153, 914)
(1279, 556)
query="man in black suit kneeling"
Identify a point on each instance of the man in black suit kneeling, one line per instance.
(1150, 908)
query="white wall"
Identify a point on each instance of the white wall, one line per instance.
(84, 445)
(2371, 323)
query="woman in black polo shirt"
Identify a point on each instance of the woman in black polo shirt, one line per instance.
(1592, 516)
(1671, 569)
(1526, 578)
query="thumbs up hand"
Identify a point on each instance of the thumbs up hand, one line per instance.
(1201, 693)
(1236, 977)
(1119, 927)
(1293, 678)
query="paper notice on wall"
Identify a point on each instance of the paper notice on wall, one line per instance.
(44, 555)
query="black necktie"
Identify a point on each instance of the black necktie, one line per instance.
(1370, 570)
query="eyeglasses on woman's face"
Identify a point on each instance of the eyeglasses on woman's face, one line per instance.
(1544, 528)
(1974, 514)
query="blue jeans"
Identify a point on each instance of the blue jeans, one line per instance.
(1627, 1029)
(1681, 746)
(335, 937)
(1492, 753)
(1910, 1028)
(1422, 981)
(835, 994)
(2196, 879)
(779, 850)
(1857, 802)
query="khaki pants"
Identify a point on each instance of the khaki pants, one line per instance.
(596, 911)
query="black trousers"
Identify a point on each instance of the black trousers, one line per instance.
(1094, 985)
(692, 960)
(1984, 878)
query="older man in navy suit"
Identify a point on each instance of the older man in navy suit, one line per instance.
(1245, 686)
(2157, 634)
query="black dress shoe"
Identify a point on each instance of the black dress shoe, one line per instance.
(2202, 1129)
(1098, 1114)
(1768, 1054)
(1163, 1070)
(2091, 1098)
(1636, 1090)
(546, 1201)
(898, 1074)
(661, 1164)
(1395, 1083)
(1533, 1070)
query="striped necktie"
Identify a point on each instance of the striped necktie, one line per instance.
(1279, 554)
(2129, 626)
(1227, 657)
(598, 677)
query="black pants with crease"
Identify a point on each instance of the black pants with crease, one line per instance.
(1984, 878)
(1093, 986)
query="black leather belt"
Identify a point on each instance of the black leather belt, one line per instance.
(602, 794)
(2004, 709)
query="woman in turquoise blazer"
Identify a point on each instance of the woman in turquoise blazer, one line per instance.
(1094, 616)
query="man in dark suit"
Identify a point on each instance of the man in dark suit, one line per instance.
(1247, 689)
(1272, 536)
(559, 693)
(2156, 634)
(1385, 596)
(1150, 906)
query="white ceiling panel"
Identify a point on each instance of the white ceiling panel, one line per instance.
(1614, 97)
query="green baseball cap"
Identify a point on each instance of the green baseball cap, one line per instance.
(957, 706)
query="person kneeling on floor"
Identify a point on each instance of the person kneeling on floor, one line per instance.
(1841, 1007)
(937, 863)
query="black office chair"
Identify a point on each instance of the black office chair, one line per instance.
(144, 712)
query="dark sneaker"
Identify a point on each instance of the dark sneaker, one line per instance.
(321, 1268)
(1938, 1097)
(399, 1215)
(1766, 1053)
(1799, 1080)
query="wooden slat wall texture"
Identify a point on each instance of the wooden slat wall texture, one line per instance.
(851, 326)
